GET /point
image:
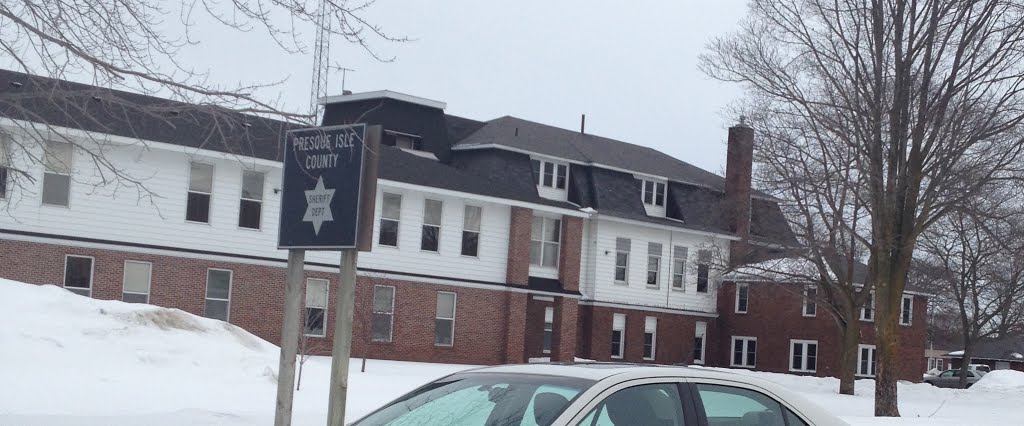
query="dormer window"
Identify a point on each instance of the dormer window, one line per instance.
(654, 193)
(550, 174)
(403, 140)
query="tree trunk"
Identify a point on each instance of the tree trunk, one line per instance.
(965, 365)
(887, 355)
(848, 357)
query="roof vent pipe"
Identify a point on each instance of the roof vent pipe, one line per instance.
(583, 124)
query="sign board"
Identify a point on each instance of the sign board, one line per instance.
(322, 186)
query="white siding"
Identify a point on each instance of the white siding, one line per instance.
(123, 215)
(600, 286)
(552, 193)
(652, 210)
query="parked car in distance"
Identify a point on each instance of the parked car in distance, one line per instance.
(599, 394)
(980, 367)
(951, 378)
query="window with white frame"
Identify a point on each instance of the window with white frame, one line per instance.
(471, 231)
(744, 351)
(653, 265)
(650, 337)
(703, 270)
(5, 164)
(544, 241)
(316, 306)
(622, 246)
(431, 238)
(444, 321)
(200, 192)
(866, 360)
(867, 312)
(679, 268)
(390, 215)
(383, 321)
(78, 273)
(742, 297)
(218, 294)
(803, 355)
(935, 364)
(810, 299)
(57, 178)
(550, 174)
(618, 335)
(549, 327)
(699, 342)
(250, 208)
(907, 309)
(654, 193)
(136, 281)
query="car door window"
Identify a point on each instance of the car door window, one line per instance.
(655, 404)
(947, 373)
(731, 406)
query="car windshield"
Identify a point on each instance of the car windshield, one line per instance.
(482, 399)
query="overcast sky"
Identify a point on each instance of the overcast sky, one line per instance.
(631, 67)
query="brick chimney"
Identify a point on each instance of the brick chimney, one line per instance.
(739, 165)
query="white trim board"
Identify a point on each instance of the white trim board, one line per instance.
(377, 94)
(647, 308)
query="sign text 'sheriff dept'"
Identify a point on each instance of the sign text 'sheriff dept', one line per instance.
(323, 171)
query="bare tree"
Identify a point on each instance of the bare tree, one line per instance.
(978, 267)
(926, 96)
(130, 52)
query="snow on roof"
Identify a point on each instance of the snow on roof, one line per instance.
(788, 269)
(1017, 355)
(957, 353)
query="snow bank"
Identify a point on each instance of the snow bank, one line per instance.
(1001, 380)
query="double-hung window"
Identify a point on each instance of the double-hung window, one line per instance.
(250, 208)
(703, 270)
(810, 304)
(316, 306)
(444, 321)
(390, 215)
(742, 297)
(679, 268)
(654, 193)
(618, 335)
(544, 241)
(136, 284)
(622, 246)
(5, 164)
(471, 231)
(78, 273)
(699, 342)
(550, 174)
(650, 337)
(431, 238)
(744, 351)
(803, 356)
(866, 360)
(218, 294)
(383, 321)
(57, 178)
(867, 312)
(653, 265)
(907, 309)
(200, 190)
(549, 327)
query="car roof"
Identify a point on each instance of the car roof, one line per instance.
(603, 370)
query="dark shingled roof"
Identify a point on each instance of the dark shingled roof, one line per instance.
(549, 140)
(1001, 349)
(96, 109)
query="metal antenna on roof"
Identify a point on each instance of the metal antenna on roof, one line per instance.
(344, 71)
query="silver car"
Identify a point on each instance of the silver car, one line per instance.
(951, 378)
(599, 394)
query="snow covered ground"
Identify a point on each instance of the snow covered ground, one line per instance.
(70, 360)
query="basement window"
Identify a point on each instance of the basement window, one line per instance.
(78, 273)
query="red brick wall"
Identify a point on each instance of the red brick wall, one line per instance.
(563, 341)
(515, 327)
(257, 296)
(674, 340)
(518, 271)
(571, 251)
(775, 317)
(535, 327)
